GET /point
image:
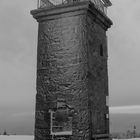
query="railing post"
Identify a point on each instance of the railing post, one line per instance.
(38, 4)
(105, 9)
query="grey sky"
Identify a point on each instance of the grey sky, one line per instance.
(18, 39)
(17, 56)
(124, 52)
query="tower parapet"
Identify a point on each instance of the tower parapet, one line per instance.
(99, 4)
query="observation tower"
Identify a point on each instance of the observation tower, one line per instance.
(72, 76)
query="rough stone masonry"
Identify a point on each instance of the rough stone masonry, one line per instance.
(72, 76)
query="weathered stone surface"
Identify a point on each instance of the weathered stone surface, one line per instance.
(98, 79)
(70, 66)
(42, 134)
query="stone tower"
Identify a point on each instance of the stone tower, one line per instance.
(72, 75)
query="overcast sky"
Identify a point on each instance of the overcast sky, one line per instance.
(18, 46)
(124, 53)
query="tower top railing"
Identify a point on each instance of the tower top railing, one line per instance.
(99, 4)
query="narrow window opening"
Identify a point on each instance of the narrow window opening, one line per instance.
(107, 100)
(101, 50)
(107, 116)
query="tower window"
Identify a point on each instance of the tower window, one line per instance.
(107, 116)
(101, 50)
(61, 123)
(107, 100)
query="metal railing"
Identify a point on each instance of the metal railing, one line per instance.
(99, 4)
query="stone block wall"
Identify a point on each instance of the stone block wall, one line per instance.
(72, 66)
(98, 76)
(61, 73)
